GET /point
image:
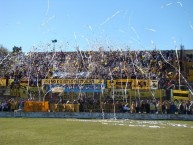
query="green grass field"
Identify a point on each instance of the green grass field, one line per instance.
(41, 131)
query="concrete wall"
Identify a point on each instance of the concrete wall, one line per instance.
(86, 115)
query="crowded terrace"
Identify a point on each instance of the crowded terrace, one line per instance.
(163, 66)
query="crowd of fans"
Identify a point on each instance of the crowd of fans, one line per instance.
(108, 65)
(165, 107)
(89, 105)
(159, 65)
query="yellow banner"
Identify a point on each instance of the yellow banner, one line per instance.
(72, 81)
(10, 81)
(98, 81)
(36, 106)
(23, 84)
(124, 83)
(2, 82)
(180, 95)
(111, 84)
(23, 92)
(126, 93)
(180, 92)
(181, 98)
(140, 84)
(132, 84)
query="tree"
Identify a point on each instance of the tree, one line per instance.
(17, 49)
(3, 50)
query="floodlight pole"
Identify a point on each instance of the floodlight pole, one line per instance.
(54, 42)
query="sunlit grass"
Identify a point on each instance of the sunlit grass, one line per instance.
(31, 131)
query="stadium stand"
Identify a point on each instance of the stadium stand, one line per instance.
(97, 80)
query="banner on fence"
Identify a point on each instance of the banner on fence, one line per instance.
(123, 83)
(75, 88)
(72, 81)
(140, 84)
(2, 82)
(180, 95)
(111, 84)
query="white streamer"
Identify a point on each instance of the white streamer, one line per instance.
(109, 18)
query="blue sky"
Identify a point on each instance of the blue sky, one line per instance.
(91, 24)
